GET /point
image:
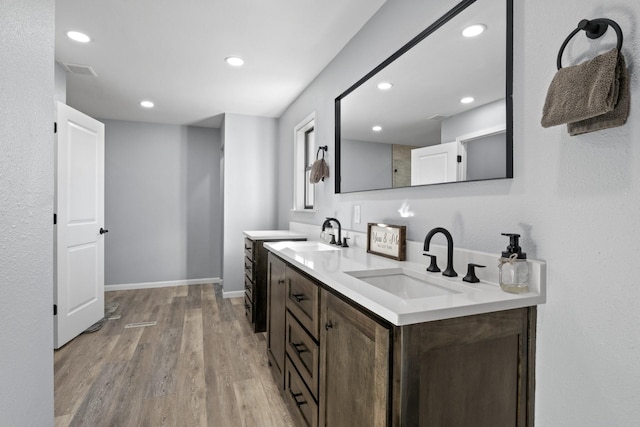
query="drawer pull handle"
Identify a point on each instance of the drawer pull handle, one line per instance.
(247, 287)
(248, 248)
(281, 281)
(295, 396)
(247, 306)
(299, 297)
(299, 348)
(328, 325)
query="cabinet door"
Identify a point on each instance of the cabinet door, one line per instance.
(469, 371)
(354, 366)
(276, 317)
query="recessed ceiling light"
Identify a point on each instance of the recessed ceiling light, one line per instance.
(147, 104)
(385, 86)
(474, 30)
(467, 100)
(234, 61)
(377, 128)
(78, 36)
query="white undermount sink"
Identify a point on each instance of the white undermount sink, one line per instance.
(306, 246)
(402, 283)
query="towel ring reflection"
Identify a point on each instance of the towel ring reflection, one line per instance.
(324, 149)
(594, 28)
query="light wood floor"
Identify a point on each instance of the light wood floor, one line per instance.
(200, 366)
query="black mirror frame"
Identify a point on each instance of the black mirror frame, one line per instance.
(424, 34)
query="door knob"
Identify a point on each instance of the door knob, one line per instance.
(102, 230)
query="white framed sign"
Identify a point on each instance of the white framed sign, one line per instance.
(387, 240)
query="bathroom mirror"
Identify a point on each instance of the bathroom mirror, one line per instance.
(419, 129)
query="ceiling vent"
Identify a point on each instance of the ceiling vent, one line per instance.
(437, 117)
(83, 70)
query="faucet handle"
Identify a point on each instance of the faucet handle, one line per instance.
(333, 239)
(344, 242)
(471, 273)
(433, 267)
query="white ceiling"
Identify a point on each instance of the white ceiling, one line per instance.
(172, 52)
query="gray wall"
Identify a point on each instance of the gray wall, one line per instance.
(574, 199)
(365, 165)
(483, 117)
(26, 208)
(60, 83)
(250, 193)
(485, 156)
(162, 203)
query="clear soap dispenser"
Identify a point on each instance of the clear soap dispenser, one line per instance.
(514, 269)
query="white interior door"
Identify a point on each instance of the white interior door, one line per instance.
(435, 164)
(79, 234)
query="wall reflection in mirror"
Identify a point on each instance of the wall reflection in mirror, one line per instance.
(439, 110)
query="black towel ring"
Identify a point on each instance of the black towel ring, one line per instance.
(324, 148)
(594, 28)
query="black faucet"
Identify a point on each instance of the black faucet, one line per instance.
(328, 222)
(449, 271)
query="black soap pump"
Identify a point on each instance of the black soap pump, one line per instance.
(513, 266)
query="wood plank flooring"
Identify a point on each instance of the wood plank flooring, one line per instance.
(201, 365)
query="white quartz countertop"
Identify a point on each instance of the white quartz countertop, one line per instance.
(331, 266)
(273, 234)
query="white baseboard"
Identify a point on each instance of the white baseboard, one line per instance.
(232, 294)
(148, 285)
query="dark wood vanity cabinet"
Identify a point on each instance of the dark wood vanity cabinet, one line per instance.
(255, 281)
(354, 366)
(292, 338)
(250, 302)
(474, 370)
(302, 347)
(345, 366)
(276, 291)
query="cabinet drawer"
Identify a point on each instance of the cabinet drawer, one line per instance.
(303, 299)
(248, 287)
(248, 268)
(248, 248)
(298, 397)
(304, 353)
(248, 308)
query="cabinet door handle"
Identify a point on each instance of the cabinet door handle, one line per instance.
(299, 297)
(328, 325)
(295, 396)
(299, 348)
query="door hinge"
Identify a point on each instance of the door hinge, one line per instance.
(55, 219)
(459, 159)
(55, 127)
(55, 309)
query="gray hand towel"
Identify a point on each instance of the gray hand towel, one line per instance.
(319, 171)
(583, 91)
(614, 118)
